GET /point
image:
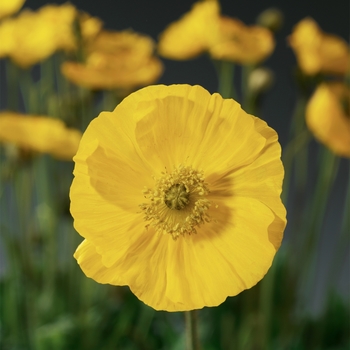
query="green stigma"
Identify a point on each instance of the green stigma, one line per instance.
(176, 197)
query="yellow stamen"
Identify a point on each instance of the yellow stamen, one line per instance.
(178, 203)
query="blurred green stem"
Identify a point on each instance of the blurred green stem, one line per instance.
(248, 98)
(47, 219)
(266, 304)
(29, 92)
(226, 83)
(316, 214)
(47, 84)
(63, 85)
(109, 100)
(86, 107)
(12, 76)
(297, 144)
(342, 246)
(327, 173)
(301, 159)
(23, 191)
(192, 340)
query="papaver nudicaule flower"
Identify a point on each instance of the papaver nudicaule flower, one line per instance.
(177, 194)
(116, 60)
(37, 133)
(327, 116)
(317, 51)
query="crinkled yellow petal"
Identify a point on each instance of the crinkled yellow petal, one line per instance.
(197, 128)
(106, 216)
(260, 180)
(221, 260)
(91, 263)
(114, 132)
(193, 34)
(39, 133)
(327, 116)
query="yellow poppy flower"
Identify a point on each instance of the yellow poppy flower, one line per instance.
(318, 52)
(204, 30)
(26, 39)
(328, 117)
(193, 34)
(62, 18)
(34, 36)
(177, 194)
(116, 60)
(242, 44)
(39, 134)
(9, 7)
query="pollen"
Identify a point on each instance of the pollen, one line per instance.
(178, 203)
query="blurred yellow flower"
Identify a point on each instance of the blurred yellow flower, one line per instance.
(9, 7)
(26, 39)
(177, 194)
(62, 18)
(318, 52)
(193, 34)
(242, 44)
(203, 29)
(34, 36)
(39, 134)
(116, 60)
(328, 117)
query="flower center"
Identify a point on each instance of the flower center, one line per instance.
(177, 204)
(176, 197)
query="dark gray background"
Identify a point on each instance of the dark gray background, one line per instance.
(152, 16)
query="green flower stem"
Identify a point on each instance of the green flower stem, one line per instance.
(266, 304)
(248, 97)
(342, 246)
(328, 171)
(110, 100)
(10, 309)
(295, 160)
(226, 83)
(296, 145)
(86, 107)
(12, 77)
(64, 99)
(47, 220)
(192, 340)
(47, 84)
(29, 92)
(301, 159)
(23, 190)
